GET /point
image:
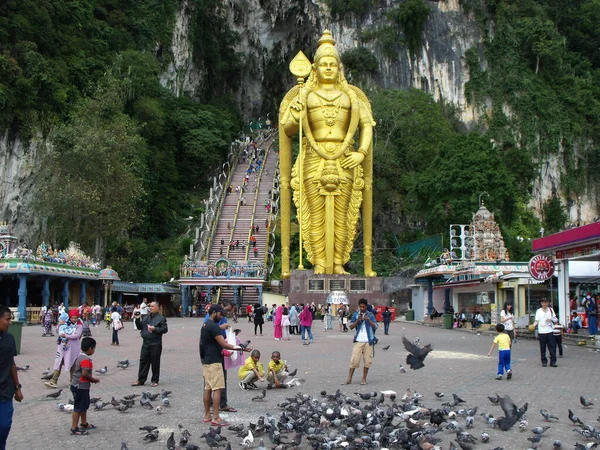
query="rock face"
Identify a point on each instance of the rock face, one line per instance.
(19, 162)
(271, 32)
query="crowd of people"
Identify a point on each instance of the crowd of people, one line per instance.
(246, 269)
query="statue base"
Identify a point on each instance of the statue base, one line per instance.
(304, 286)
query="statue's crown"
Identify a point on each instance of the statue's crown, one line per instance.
(326, 47)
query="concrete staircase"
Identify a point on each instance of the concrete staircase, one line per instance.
(237, 219)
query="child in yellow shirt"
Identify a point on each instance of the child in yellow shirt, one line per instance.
(251, 371)
(504, 342)
(277, 371)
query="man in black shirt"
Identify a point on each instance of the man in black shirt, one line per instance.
(212, 343)
(152, 327)
(9, 379)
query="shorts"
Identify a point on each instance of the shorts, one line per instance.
(213, 377)
(364, 350)
(81, 399)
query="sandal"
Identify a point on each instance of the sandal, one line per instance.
(78, 432)
(137, 383)
(87, 426)
(222, 423)
(228, 409)
(154, 384)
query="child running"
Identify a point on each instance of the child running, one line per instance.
(503, 341)
(80, 387)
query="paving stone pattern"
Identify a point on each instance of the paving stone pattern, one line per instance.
(457, 364)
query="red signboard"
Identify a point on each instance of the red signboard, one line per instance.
(541, 267)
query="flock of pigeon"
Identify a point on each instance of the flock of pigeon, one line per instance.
(368, 421)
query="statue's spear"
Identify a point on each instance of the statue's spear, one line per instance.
(300, 67)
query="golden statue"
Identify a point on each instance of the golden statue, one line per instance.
(330, 178)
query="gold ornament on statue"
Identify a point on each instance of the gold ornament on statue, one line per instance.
(331, 178)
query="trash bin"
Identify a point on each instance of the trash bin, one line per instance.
(410, 315)
(15, 329)
(448, 319)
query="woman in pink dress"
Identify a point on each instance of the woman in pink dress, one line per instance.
(278, 333)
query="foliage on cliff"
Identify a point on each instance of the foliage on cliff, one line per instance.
(539, 90)
(129, 160)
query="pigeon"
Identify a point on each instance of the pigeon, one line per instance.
(457, 399)
(171, 441)
(585, 402)
(367, 396)
(94, 400)
(557, 444)
(165, 394)
(55, 394)
(151, 396)
(512, 414)
(123, 363)
(158, 409)
(124, 445)
(99, 405)
(573, 418)
(123, 408)
(47, 371)
(402, 369)
(293, 373)
(184, 432)
(47, 376)
(387, 347)
(115, 402)
(439, 394)
(248, 440)
(260, 398)
(539, 430)
(123, 366)
(495, 400)
(195, 447)
(148, 428)
(131, 397)
(244, 345)
(416, 354)
(24, 368)
(535, 438)
(166, 402)
(485, 437)
(102, 371)
(151, 436)
(547, 415)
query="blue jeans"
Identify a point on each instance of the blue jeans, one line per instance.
(308, 330)
(6, 414)
(386, 327)
(503, 361)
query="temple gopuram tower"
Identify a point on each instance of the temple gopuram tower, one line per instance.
(487, 244)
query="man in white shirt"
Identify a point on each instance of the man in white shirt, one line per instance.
(544, 321)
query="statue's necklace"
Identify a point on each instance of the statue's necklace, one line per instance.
(330, 105)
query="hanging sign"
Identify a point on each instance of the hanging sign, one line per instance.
(541, 267)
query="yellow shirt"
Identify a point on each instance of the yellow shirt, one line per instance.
(277, 367)
(248, 366)
(503, 341)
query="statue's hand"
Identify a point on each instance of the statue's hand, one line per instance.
(295, 109)
(352, 160)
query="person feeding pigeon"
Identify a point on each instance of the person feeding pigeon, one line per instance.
(80, 387)
(211, 344)
(67, 354)
(365, 325)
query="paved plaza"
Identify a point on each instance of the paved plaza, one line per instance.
(458, 364)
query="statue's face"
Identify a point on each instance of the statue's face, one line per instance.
(328, 69)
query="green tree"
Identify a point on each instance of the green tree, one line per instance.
(554, 216)
(92, 181)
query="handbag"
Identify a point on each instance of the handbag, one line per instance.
(118, 325)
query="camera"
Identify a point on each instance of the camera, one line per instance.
(137, 313)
